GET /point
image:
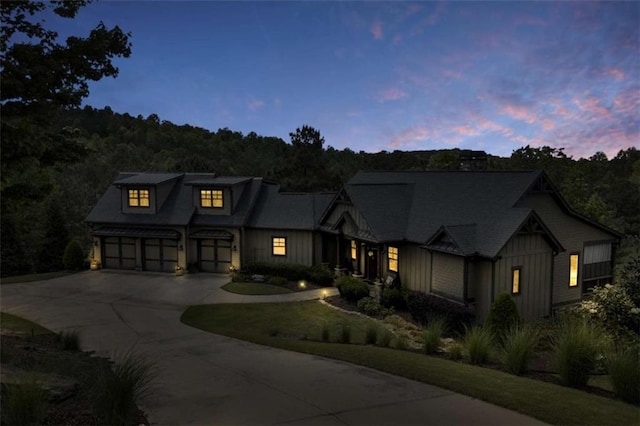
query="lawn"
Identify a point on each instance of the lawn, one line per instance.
(298, 327)
(21, 325)
(255, 288)
(34, 277)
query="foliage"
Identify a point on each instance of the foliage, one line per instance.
(73, 257)
(54, 241)
(624, 367)
(455, 351)
(345, 335)
(325, 332)
(118, 390)
(12, 255)
(279, 281)
(70, 340)
(503, 314)
(394, 297)
(369, 306)
(432, 335)
(239, 278)
(423, 307)
(576, 349)
(25, 402)
(478, 342)
(372, 334)
(293, 272)
(613, 308)
(385, 339)
(352, 289)
(444, 160)
(518, 346)
(629, 278)
(401, 343)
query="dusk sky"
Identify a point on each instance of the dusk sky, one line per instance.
(373, 76)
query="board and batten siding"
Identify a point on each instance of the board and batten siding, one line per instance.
(448, 276)
(573, 234)
(300, 246)
(414, 265)
(341, 208)
(534, 257)
(479, 287)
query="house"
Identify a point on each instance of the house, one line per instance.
(465, 236)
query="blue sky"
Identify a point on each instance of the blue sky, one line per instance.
(384, 75)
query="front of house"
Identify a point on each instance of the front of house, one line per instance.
(465, 236)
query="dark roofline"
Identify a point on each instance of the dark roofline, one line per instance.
(549, 237)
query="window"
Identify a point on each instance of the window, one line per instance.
(515, 280)
(573, 269)
(138, 198)
(211, 198)
(354, 250)
(279, 246)
(393, 259)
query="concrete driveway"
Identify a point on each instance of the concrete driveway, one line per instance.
(209, 379)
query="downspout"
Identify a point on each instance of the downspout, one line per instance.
(493, 278)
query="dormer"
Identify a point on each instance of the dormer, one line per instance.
(145, 193)
(217, 195)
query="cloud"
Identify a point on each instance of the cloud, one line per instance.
(519, 113)
(409, 137)
(392, 94)
(255, 104)
(376, 30)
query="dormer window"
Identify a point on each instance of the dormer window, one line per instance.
(210, 198)
(138, 198)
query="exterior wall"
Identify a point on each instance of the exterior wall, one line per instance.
(534, 256)
(447, 278)
(339, 209)
(479, 287)
(572, 234)
(258, 246)
(414, 267)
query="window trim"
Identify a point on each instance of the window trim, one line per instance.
(516, 287)
(354, 250)
(394, 259)
(283, 246)
(572, 284)
(138, 198)
(211, 195)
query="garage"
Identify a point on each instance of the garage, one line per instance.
(119, 252)
(214, 249)
(160, 255)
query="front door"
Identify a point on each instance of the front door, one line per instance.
(372, 264)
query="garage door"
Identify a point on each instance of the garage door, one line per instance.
(214, 255)
(119, 252)
(160, 255)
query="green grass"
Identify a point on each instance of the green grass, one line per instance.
(34, 277)
(21, 325)
(545, 401)
(257, 289)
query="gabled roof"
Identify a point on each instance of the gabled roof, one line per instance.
(145, 178)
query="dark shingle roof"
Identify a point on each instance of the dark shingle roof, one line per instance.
(145, 178)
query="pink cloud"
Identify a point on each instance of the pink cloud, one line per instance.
(627, 101)
(616, 73)
(392, 94)
(592, 107)
(376, 30)
(410, 136)
(519, 113)
(465, 130)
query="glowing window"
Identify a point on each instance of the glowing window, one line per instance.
(393, 259)
(515, 281)
(354, 250)
(573, 270)
(279, 246)
(139, 198)
(211, 198)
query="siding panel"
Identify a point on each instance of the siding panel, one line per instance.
(448, 275)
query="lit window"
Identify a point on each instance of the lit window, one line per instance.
(573, 270)
(211, 198)
(515, 281)
(393, 259)
(354, 250)
(279, 246)
(139, 198)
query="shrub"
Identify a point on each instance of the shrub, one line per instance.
(624, 368)
(372, 334)
(325, 332)
(455, 352)
(352, 289)
(239, 278)
(293, 272)
(345, 336)
(70, 340)
(401, 343)
(279, 281)
(385, 339)
(73, 257)
(425, 307)
(432, 335)
(629, 277)
(393, 297)
(369, 306)
(24, 403)
(321, 275)
(478, 341)
(118, 390)
(503, 314)
(576, 349)
(518, 347)
(612, 306)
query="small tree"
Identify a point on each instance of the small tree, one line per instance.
(503, 314)
(55, 240)
(73, 256)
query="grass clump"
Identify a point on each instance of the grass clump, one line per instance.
(518, 346)
(624, 368)
(372, 334)
(25, 402)
(118, 390)
(478, 341)
(325, 332)
(432, 335)
(70, 340)
(455, 352)
(345, 336)
(576, 349)
(385, 339)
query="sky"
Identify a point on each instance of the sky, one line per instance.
(373, 76)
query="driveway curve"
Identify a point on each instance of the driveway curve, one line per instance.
(210, 379)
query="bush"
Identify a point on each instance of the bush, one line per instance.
(24, 403)
(455, 352)
(239, 278)
(393, 297)
(576, 349)
(424, 307)
(372, 334)
(73, 257)
(518, 347)
(318, 274)
(345, 336)
(503, 314)
(385, 339)
(325, 332)
(279, 281)
(70, 340)
(321, 275)
(612, 306)
(629, 278)
(118, 390)
(432, 335)
(624, 368)
(369, 306)
(352, 289)
(401, 343)
(478, 341)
